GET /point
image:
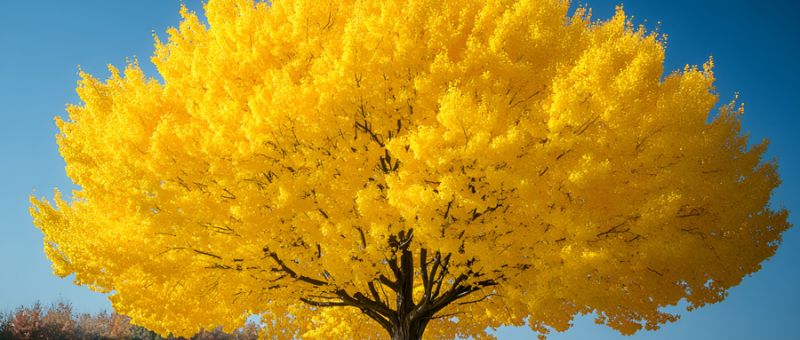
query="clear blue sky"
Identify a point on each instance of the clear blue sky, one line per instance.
(755, 44)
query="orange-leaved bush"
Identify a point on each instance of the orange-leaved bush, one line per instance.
(358, 169)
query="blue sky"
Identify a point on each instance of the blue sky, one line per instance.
(756, 49)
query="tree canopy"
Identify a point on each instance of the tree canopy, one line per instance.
(361, 168)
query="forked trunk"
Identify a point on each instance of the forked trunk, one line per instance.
(408, 319)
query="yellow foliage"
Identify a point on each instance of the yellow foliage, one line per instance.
(542, 154)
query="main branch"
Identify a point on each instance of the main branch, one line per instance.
(406, 319)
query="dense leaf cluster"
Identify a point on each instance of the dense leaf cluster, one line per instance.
(409, 166)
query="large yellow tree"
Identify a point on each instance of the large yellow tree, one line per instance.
(360, 168)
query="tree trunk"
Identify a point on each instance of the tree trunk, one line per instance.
(408, 319)
(409, 325)
(408, 330)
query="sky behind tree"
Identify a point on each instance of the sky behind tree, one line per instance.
(755, 47)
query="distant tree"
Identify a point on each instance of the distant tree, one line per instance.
(59, 322)
(436, 167)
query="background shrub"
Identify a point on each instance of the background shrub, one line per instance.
(58, 321)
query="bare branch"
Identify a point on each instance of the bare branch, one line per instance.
(284, 268)
(374, 291)
(478, 300)
(324, 303)
(387, 282)
(423, 269)
(363, 238)
(614, 230)
(207, 254)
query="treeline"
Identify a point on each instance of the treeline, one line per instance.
(60, 322)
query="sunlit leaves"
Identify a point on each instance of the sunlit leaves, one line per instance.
(542, 151)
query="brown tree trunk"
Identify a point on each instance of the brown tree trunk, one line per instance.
(408, 331)
(408, 319)
(409, 324)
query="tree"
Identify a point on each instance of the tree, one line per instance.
(358, 168)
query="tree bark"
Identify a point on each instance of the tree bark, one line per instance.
(408, 330)
(408, 325)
